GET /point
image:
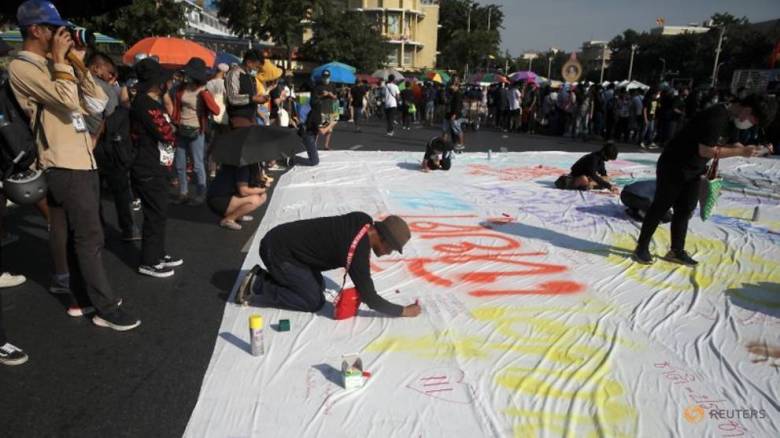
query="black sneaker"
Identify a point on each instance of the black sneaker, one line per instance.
(171, 262)
(244, 292)
(642, 256)
(12, 355)
(117, 319)
(158, 270)
(680, 257)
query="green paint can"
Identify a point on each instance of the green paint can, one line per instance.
(284, 325)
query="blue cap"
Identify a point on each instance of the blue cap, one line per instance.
(38, 12)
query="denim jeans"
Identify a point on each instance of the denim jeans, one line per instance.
(310, 142)
(196, 148)
(649, 133)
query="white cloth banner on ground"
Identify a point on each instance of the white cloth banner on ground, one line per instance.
(535, 323)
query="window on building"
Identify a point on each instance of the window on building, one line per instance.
(408, 56)
(392, 58)
(393, 24)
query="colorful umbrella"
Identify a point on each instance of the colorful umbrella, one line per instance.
(439, 76)
(339, 72)
(172, 52)
(490, 78)
(385, 73)
(368, 78)
(527, 76)
(226, 58)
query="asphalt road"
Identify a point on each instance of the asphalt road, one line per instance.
(85, 381)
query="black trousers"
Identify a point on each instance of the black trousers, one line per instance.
(405, 116)
(119, 184)
(676, 192)
(153, 192)
(289, 285)
(74, 198)
(390, 115)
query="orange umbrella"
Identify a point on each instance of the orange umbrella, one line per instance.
(173, 52)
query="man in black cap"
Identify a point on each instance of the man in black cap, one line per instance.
(153, 137)
(297, 253)
(241, 90)
(324, 97)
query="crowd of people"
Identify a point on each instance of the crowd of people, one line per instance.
(140, 133)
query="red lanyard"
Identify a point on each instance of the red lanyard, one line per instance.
(352, 248)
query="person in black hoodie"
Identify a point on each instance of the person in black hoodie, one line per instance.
(589, 172)
(153, 137)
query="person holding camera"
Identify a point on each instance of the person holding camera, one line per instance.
(56, 91)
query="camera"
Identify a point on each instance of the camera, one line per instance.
(82, 37)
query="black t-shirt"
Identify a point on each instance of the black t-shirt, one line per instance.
(592, 166)
(437, 146)
(322, 244)
(226, 182)
(326, 103)
(314, 119)
(710, 127)
(456, 101)
(148, 127)
(358, 93)
(275, 93)
(408, 96)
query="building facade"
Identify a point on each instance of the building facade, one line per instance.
(594, 54)
(411, 27)
(678, 30)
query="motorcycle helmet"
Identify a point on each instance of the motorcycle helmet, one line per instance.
(27, 187)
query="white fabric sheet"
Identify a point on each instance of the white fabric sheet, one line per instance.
(535, 321)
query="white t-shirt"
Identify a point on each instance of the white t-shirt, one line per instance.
(391, 95)
(514, 99)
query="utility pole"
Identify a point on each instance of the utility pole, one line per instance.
(553, 52)
(468, 32)
(490, 9)
(717, 57)
(631, 64)
(603, 62)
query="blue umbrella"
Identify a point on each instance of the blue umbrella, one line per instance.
(226, 58)
(341, 73)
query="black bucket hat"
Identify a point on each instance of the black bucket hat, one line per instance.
(150, 73)
(196, 70)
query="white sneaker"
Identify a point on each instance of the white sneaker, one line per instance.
(10, 280)
(246, 218)
(158, 271)
(12, 355)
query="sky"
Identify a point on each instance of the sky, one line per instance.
(534, 25)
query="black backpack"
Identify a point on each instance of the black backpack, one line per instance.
(17, 141)
(115, 149)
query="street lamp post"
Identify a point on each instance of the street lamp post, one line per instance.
(550, 57)
(717, 57)
(603, 63)
(468, 31)
(530, 63)
(631, 63)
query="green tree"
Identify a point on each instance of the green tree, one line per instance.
(359, 44)
(282, 21)
(141, 19)
(464, 36)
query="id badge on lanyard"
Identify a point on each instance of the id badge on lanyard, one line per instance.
(166, 153)
(77, 119)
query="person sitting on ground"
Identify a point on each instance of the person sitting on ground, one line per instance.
(438, 154)
(233, 196)
(638, 197)
(589, 172)
(296, 253)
